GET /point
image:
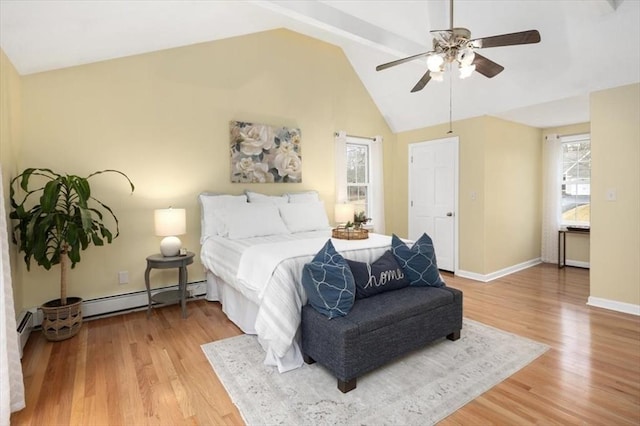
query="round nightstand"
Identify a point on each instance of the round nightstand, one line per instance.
(158, 261)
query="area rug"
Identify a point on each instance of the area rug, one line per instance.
(421, 388)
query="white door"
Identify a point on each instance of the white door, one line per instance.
(433, 196)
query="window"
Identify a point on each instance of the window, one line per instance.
(359, 192)
(360, 177)
(575, 192)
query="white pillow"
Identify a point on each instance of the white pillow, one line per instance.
(256, 197)
(210, 223)
(303, 197)
(301, 217)
(252, 220)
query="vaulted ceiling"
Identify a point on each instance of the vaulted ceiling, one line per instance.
(586, 46)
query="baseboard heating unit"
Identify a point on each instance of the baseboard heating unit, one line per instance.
(120, 303)
(25, 325)
(103, 307)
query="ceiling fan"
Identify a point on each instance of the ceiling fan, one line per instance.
(455, 45)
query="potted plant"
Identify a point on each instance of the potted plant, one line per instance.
(360, 219)
(54, 228)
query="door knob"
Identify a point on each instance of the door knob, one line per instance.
(449, 214)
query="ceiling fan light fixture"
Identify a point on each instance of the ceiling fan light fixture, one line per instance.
(455, 45)
(467, 70)
(437, 76)
(466, 56)
(434, 63)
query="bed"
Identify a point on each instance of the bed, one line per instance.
(253, 248)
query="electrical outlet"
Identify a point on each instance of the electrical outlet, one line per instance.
(123, 277)
(611, 194)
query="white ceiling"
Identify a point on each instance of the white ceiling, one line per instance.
(586, 45)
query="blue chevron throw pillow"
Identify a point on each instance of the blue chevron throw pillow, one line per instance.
(418, 262)
(329, 283)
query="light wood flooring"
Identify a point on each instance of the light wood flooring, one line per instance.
(130, 370)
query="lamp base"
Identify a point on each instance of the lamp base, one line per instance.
(170, 246)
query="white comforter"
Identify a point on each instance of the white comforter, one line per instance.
(268, 271)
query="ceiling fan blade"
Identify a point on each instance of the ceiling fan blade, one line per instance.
(523, 37)
(401, 61)
(486, 66)
(422, 82)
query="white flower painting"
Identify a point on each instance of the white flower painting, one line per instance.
(264, 154)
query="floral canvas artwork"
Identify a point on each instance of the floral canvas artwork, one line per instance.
(264, 154)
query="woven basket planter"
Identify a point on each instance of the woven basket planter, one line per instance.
(61, 322)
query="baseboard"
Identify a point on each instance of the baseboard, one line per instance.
(127, 302)
(577, 263)
(614, 305)
(471, 275)
(498, 274)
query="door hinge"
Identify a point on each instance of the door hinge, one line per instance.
(411, 203)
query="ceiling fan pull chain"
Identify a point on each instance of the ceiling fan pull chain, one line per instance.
(450, 100)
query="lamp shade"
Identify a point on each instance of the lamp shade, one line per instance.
(343, 213)
(169, 223)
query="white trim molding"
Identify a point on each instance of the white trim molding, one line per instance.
(614, 305)
(499, 274)
(577, 263)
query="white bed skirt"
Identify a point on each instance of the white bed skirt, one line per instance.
(240, 310)
(243, 313)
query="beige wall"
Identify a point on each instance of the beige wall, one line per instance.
(500, 162)
(9, 148)
(577, 245)
(513, 188)
(615, 229)
(163, 119)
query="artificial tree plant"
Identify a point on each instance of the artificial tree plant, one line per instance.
(54, 228)
(360, 219)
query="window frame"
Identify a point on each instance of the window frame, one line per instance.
(564, 140)
(368, 143)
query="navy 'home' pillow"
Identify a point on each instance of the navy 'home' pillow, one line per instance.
(382, 275)
(329, 283)
(418, 262)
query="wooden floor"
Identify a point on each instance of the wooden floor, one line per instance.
(130, 370)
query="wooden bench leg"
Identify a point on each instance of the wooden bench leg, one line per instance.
(308, 359)
(454, 336)
(347, 386)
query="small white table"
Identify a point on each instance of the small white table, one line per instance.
(158, 261)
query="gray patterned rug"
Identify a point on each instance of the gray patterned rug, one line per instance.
(421, 388)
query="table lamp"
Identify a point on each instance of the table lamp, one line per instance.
(343, 213)
(169, 223)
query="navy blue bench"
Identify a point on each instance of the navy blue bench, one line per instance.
(379, 329)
